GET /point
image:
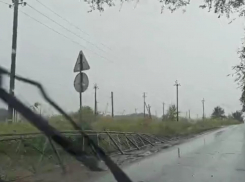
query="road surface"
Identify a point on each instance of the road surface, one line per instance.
(217, 156)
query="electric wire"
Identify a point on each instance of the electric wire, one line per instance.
(64, 27)
(69, 22)
(63, 35)
(4, 3)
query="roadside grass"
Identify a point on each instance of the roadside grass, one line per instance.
(166, 128)
(25, 127)
(25, 159)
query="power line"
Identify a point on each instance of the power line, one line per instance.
(4, 3)
(52, 29)
(105, 46)
(73, 26)
(63, 35)
(66, 20)
(61, 17)
(64, 27)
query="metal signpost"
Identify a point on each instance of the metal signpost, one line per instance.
(81, 81)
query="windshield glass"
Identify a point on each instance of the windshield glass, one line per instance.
(112, 90)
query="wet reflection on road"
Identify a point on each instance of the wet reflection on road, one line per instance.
(217, 156)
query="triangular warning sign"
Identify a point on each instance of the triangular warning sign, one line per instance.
(85, 65)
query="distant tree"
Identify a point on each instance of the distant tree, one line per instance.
(172, 113)
(218, 112)
(237, 116)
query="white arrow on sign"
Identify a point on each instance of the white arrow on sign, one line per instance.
(85, 65)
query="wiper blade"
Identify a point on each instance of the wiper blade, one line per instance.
(42, 124)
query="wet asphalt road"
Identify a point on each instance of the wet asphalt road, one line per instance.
(217, 156)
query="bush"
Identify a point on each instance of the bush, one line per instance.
(87, 114)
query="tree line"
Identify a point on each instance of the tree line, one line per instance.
(218, 113)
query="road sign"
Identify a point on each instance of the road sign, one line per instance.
(81, 85)
(85, 65)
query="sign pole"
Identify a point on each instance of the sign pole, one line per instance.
(81, 81)
(80, 93)
(80, 101)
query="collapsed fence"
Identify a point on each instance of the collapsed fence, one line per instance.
(31, 153)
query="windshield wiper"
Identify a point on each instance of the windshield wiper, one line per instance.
(51, 132)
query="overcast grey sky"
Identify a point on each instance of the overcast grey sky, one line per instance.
(145, 52)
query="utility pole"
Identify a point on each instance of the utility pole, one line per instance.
(163, 110)
(203, 101)
(177, 95)
(149, 110)
(15, 5)
(135, 110)
(95, 99)
(144, 96)
(189, 114)
(112, 105)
